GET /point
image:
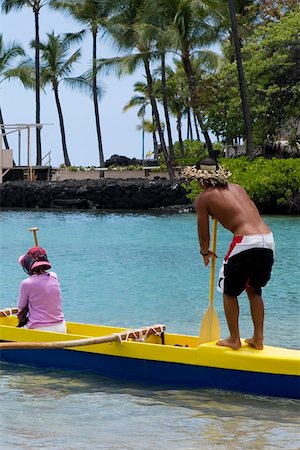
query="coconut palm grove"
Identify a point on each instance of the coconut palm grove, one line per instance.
(223, 74)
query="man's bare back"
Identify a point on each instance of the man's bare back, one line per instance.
(232, 207)
(230, 204)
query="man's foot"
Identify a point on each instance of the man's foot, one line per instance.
(258, 344)
(229, 342)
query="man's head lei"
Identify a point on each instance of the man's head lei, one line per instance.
(207, 171)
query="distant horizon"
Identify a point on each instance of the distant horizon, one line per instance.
(119, 130)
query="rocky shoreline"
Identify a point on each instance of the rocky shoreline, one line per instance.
(135, 194)
(92, 194)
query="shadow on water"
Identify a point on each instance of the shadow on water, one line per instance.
(31, 383)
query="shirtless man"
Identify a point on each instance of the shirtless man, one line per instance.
(248, 263)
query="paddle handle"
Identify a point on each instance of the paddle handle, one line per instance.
(213, 261)
(34, 230)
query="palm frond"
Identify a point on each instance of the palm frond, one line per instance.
(211, 60)
(73, 38)
(9, 53)
(13, 5)
(68, 64)
(84, 85)
(120, 64)
(24, 73)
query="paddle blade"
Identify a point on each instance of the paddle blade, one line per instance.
(210, 326)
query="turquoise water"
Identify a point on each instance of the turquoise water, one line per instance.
(129, 269)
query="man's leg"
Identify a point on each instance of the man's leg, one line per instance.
(231, 308)
(257, 312)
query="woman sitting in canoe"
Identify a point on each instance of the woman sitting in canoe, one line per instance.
(40, 295)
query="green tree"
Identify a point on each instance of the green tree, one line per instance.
(221, 101)
(242, 82)
(8, 55)
(271, 63)
(142, 101)
(94, 15)
(203, 65)
(192, 25)
(148, 126)
(157, 26)
(177, 92)
(274, 10)
(57, 65)
(36, 6)
(129, 33)
(272, 67)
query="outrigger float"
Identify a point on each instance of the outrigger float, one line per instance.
(149, 354)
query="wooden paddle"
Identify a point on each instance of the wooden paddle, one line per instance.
(210, 326)
(34, 230)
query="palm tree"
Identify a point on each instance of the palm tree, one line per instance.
(205, 64)
(191, 26)
(127, 30)
(7, 55)
(246, 14)
(56, 67)
(155, 27)
(142, 101)
(94, 15)
(242, 81)
(176, 90)
(36, 5)
(148, 126)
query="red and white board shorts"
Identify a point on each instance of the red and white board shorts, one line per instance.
(248, 263)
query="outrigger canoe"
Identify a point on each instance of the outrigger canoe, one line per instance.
(152, 355)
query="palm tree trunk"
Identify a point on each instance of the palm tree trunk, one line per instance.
(157, 118)
(179, 129)
(165, 105)
(189, 124)
(62, 127)
(143, 138)
(155, 145)
(95, 99)
(204, 131)
(193, 95)
(196, 127)
(37, 87)
(242, 82)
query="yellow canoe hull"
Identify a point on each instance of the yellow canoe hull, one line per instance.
(179, 361)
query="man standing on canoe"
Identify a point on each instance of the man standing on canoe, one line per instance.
(248, 263)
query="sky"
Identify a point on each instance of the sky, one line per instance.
(119, 133)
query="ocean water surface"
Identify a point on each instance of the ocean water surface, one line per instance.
(135, 269)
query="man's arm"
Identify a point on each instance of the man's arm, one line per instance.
(203, 224)
(203, 228)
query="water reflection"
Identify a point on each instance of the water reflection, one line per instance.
(63, 410)
(36, 382)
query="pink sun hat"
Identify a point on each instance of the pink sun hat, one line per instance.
(35, 257)
(20, 260)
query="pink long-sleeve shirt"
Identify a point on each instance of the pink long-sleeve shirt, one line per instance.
(43, 295)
